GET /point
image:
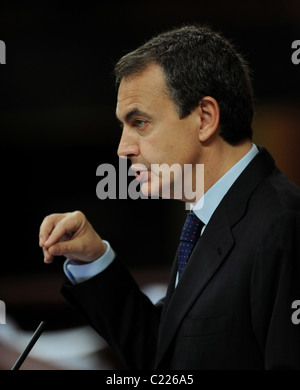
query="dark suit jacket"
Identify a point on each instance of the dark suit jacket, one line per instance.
(232, 307)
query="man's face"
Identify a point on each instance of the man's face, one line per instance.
(153, 133)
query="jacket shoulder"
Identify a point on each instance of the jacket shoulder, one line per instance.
(281, 193)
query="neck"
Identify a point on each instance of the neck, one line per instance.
(220, 158)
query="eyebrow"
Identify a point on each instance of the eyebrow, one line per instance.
(134, 112)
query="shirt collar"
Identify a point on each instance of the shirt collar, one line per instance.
(207, 205)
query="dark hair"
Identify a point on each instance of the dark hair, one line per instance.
(199, 62)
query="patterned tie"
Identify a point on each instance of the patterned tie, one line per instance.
(189, 236)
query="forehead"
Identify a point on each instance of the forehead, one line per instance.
(143, 91)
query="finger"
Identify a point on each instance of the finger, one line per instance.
(61, 249)
(47, 257)
(64, 228)
(47, 226)
(74, 249)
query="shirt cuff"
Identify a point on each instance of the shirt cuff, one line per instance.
(78, 273)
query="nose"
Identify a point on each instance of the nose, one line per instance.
(128, 145)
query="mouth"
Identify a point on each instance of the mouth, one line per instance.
(141, 175)
(141, 172)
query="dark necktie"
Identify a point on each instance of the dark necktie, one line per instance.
(189, 236)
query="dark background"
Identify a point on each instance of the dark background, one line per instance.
(58, 122)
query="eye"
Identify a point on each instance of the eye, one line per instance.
(140, 123)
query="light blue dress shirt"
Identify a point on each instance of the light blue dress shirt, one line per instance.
(209, 202)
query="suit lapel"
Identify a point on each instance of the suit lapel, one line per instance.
(205, 259)
(210, 251)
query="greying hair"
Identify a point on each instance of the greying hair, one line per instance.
(199, 62)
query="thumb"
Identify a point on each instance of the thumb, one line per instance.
(70, 249)
(61, 248)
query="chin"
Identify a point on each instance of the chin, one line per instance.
(149, 190)
(157, 190)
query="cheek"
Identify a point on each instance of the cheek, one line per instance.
(161, 149)
(177, 143)
(156, 150)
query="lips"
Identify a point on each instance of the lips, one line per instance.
(141, 172)
(141, 176)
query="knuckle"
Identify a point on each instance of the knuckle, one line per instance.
(79, 218)
(49, 219)
(46, 220)
(79, 214)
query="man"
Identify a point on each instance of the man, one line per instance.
(185, 97)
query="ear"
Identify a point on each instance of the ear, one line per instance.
(209, 115)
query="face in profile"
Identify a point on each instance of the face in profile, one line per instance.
(154, 138)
